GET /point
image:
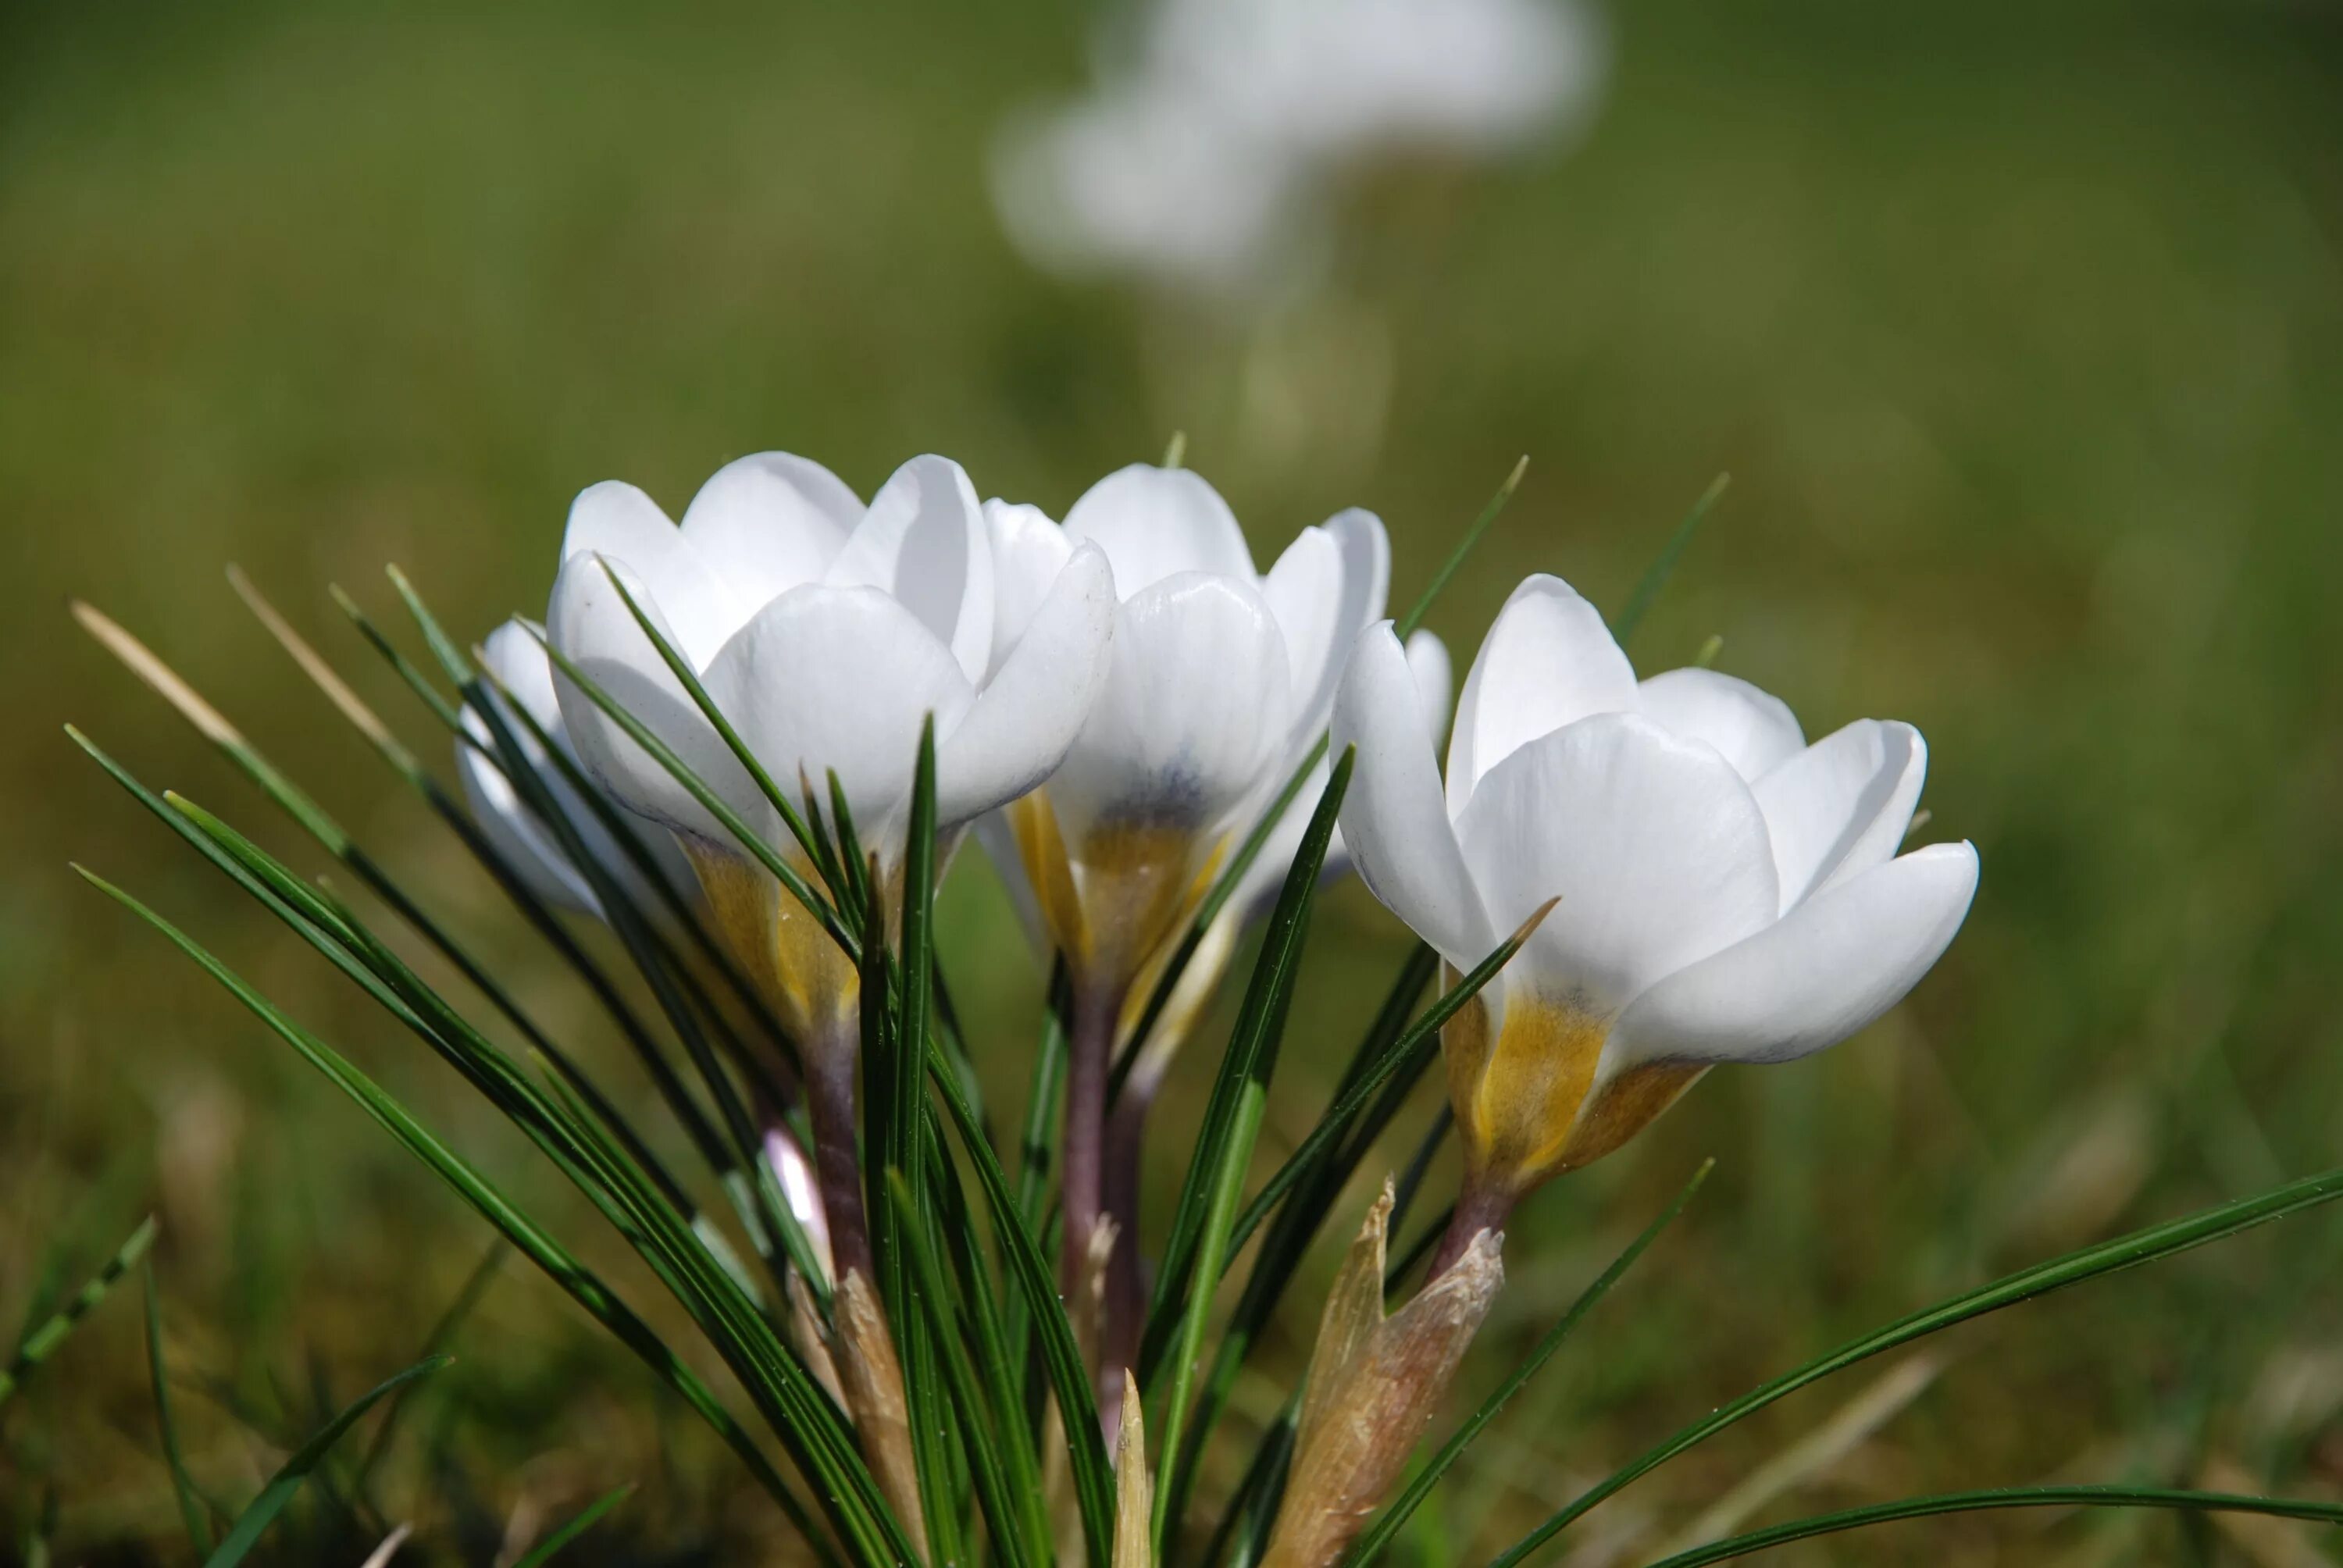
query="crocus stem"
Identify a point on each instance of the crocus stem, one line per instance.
(1126, 1286)
(1095, 1012)
(1480, 1206)
(830, 1106)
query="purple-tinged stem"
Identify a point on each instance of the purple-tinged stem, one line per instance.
(830, 1106)
(1480, 1206)
(1088, 1061)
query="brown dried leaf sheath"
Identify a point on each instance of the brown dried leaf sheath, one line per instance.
(1375, 1384)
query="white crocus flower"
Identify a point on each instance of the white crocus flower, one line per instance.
(516, 660)
(1220, 680)
(1728, 892)
(825, 632)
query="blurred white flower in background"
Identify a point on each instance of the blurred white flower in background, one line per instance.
(1203, 158)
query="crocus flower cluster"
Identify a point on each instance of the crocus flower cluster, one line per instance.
(1116, 700)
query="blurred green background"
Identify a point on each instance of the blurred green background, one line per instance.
(2020, 334)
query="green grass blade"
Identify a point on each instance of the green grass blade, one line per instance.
(1216, 1178)
(853, 861)
(1655, 576)
(1387, 1524)
(612, 821)
(313, 819)
(1297, 1220)
(1224, 887)
(1405, 1056)
(1471, 537)
(42, 1342)
(443, 1334)
(1419, 1164)
(249, 1526)
(1418, 1249)
(747, 838)
(192, 1510)
(1245, 1520)
(739, 1161)
(978, 1298)
(2143, 1246)
(542, 1553)
(1225, 884)
(904, 1151)
(1009, 1522)
(680, 668)
(582, 1284)
(1036, 1285)
(408, 670)
(624, 832)
(2009, 1497)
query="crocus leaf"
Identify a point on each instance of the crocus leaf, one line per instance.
(2072, 1268)
(249, 1526)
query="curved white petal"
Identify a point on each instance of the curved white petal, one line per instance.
(1028, 551)
(1654, 845)
(1027, 715)
(1435, 682)
(766, 523)
(514, 833)
(924, 541)
(839, 678)
(1327, 588)
(513, 654)
(1754, 728)
(1393, 821)
(593, 628)
(1194, 712)
(1155, 523)
(618, 521)
(1547, 662)
(520, 665)
(1817, 975)
(1843, 805)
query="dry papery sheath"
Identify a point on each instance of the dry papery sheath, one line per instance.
(1375, 1384)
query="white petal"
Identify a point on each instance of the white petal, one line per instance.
(1326, 588)
(1435, 682)
(1843, 805)
(766, 523)
(1817, 975)
(925, 542)
(514, 832)
(1028, 551)
(839, 678)
(1393, 821)
(1027, 715)
(620, 521)
(1547, 662)
(1654, 845)
(593, 628)
(515, 656)
(518, 661)
(1754, 728)
(1154, 523)
(1194, 712)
